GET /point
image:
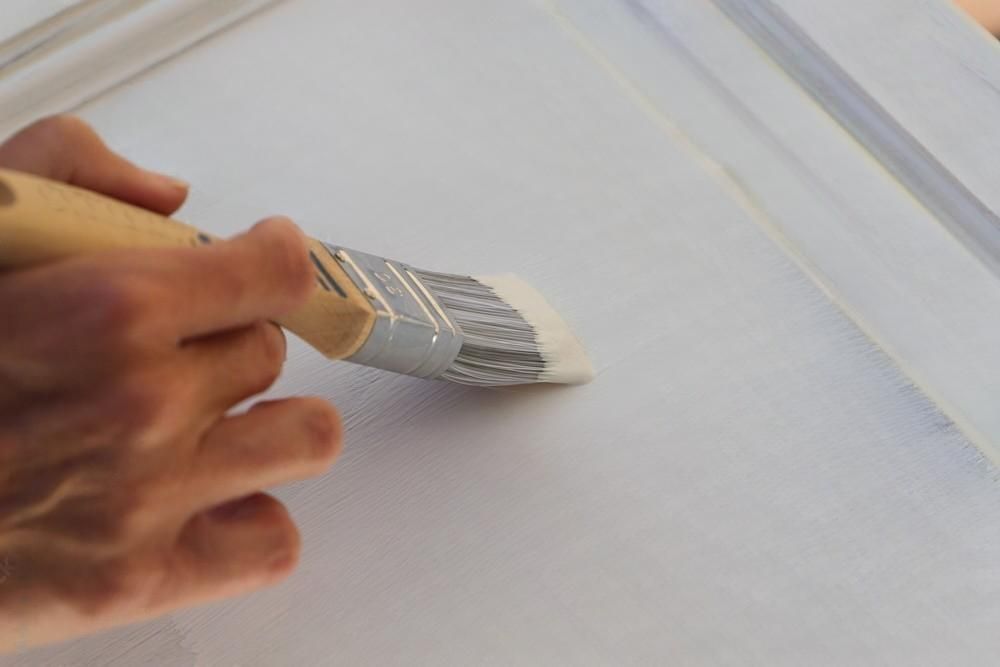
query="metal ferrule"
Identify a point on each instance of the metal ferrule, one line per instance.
(413, 333)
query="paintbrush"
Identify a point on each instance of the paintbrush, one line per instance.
(483, 331)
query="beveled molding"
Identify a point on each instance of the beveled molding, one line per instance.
(93, 46)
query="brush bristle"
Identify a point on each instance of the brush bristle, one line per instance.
(512, 335)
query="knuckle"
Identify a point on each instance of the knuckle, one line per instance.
(288, 254)
(101, 592)
(124, 582)
(63, 128)
(271, 348)
(135, 504)
(145, 404)
(137, 396)
(267, 354)
(124, 518)
(115, 306)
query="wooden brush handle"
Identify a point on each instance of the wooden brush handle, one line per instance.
(42, 221)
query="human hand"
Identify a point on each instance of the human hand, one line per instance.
(126, 490)
(986, 12)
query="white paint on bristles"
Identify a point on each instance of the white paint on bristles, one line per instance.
(566, 361)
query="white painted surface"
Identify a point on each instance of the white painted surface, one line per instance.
(749, 480)
(20, 15)
(894, 268)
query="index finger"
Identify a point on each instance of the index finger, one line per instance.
(260, 275)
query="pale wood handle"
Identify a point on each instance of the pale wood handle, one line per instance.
(42, 221)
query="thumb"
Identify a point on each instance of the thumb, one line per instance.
(65, 148)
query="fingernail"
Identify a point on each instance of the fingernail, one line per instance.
(175, 183)
(282, 564)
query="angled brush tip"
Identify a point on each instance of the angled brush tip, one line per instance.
(511, 335)
(566, 361)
